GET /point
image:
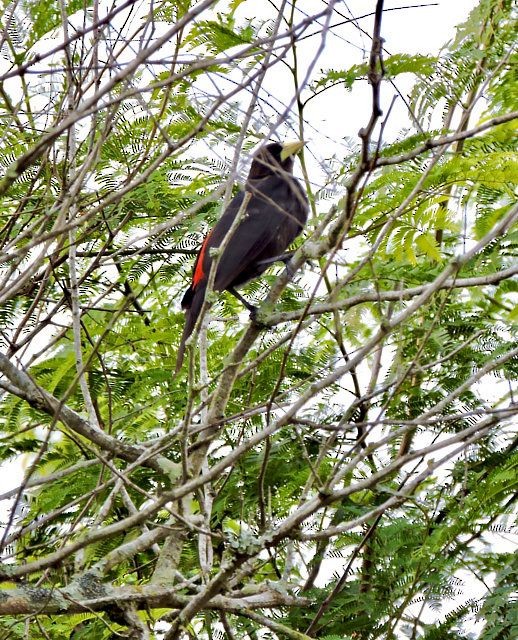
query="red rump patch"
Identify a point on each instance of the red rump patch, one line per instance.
(199, 273)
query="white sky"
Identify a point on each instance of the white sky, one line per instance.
(335, 119)
(414, 30)
(417, 30)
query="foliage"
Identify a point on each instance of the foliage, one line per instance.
(346, 468)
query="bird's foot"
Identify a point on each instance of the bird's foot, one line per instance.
(254, 311)
(290, 271)
(286, 259)
(243, 301)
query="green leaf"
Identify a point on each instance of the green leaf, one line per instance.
(426, 242)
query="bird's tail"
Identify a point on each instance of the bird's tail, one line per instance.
(192, 303)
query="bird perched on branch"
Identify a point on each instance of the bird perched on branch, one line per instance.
(254, 231)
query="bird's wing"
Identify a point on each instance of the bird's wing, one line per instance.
(272, 220)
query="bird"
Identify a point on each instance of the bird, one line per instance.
(271, 216)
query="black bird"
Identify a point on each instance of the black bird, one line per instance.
(273, 217)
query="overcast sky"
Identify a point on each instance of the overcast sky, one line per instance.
(423, 29)
(334, 119)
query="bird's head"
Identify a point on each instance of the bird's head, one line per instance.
(272, 157)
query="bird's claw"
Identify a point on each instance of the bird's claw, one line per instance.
(286, 260)
(290, 271)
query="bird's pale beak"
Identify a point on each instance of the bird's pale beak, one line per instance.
(291, 149)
